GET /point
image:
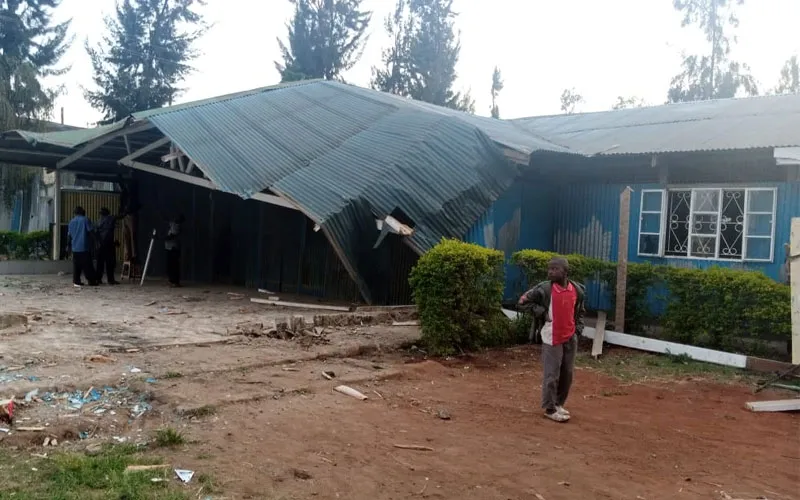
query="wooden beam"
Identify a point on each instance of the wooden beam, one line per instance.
(622, 256)
(301, 305)
(664, 347)
(172, 174)
(146, 149)
(92, 145)
(780, 405)
(794, 280)
(190, 166)
(600, 328)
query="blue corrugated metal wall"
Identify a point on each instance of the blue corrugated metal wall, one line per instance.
(521, 218)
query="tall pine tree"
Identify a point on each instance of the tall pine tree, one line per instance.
(713, 75)
(789, 82)
(422, 62)
(31, 48)
(145, 55)
(497, 86)
(326, 38)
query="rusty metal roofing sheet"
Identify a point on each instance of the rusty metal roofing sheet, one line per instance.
(724, 124)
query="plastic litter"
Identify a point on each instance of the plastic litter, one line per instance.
(30, 395)
(184, 475)
(151, 380)
(136, 370)
(83, 435)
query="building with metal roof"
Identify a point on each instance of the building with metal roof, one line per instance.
(367, 177)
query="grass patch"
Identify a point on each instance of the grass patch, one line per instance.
(203, 411)
(170, 375)
(70, 476)
(632, 366)
(169, 437)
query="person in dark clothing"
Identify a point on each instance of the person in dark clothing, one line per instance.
(173, 248)
(107, 250)
(80, 234)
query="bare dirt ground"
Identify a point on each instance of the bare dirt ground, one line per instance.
(264, 423)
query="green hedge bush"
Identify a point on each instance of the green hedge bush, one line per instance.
(25, 246)
(458, 289)
(718, 308)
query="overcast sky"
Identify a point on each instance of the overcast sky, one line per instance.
(602, 48)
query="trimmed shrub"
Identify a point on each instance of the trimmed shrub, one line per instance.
(458, 289)
(718, 308)
(25, 246)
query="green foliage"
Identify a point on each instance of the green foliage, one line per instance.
(144, 56)
(421, 63)
(326, 38)
(726, 309)
(789, 82)
(458, 289)
(718, 308)
(169, 437)
(25, 246)
(497, 86)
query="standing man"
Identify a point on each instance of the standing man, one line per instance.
(173, 248)
(107, 251)
(558, 305)
(79, 232)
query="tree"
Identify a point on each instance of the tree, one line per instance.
(326, 38)
(628, 102)
(421, 63)
(713, 75)
(31, 48)
(497, 86)
(144, 55)
(570, 99)
(789, 82)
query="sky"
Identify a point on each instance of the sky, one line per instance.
(603, 49)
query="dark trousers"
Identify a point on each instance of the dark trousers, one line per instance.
(82, 264)
(107, 260)
(174, 266)
(559, 363)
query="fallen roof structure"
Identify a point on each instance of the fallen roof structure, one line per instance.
(342, 155)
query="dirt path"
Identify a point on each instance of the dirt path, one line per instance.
(264, 423)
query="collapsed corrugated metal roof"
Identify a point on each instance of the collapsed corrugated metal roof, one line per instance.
(723, 124)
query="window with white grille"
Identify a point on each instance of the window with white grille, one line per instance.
(708, 223)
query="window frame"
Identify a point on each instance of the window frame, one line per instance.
(746, 212)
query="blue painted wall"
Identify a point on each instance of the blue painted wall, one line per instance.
(521, 218)
(584, 218)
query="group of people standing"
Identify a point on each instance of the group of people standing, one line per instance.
(87, 240)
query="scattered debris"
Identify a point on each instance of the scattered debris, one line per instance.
(413, 447)
(300, 305)
(788, 387)
(5, 430)
(30, 429)
(150, 380)
(235, 296)
(301, 474)
(328, 374)
(8, 320)
(378, 393)
(151, 303)
(7, 410)
(776, 378)
(100, 358)
(30, 395)
(539, 496)
(141, 468)
(46, 442)
(184, 475)
(350, 392)
(777, 405)
(136, 370)
(443, 414)
(564, 483)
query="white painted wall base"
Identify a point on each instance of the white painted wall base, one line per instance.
(33, 267)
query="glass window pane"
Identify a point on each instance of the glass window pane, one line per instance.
(703, 246)
(651, 223)
(759, 225)
(704, 224)
(705, 200)
(760, 201)
(677, 231)
(651, 201)
(758, 248)
(648, 244)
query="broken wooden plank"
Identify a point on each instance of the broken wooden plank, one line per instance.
(141, 468)
(30, 429)
(600, 328)
(350, 392)
(777, 405)
(300, 305)
(788, 387)
(405, 323)
(413, 447)
(664, 347)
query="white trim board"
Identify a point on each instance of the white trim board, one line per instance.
(777, 405)
(663, 347)
(279, 303)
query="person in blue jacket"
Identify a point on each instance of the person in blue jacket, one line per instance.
(80, 232)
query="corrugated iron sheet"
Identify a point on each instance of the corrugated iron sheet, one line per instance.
(92, 202)
(723, 124)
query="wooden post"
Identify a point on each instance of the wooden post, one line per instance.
(794, 277)
(622, 256)
(57, 214)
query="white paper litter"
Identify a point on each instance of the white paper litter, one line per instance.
(184, 475)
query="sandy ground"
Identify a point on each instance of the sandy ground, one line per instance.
(261, 419)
